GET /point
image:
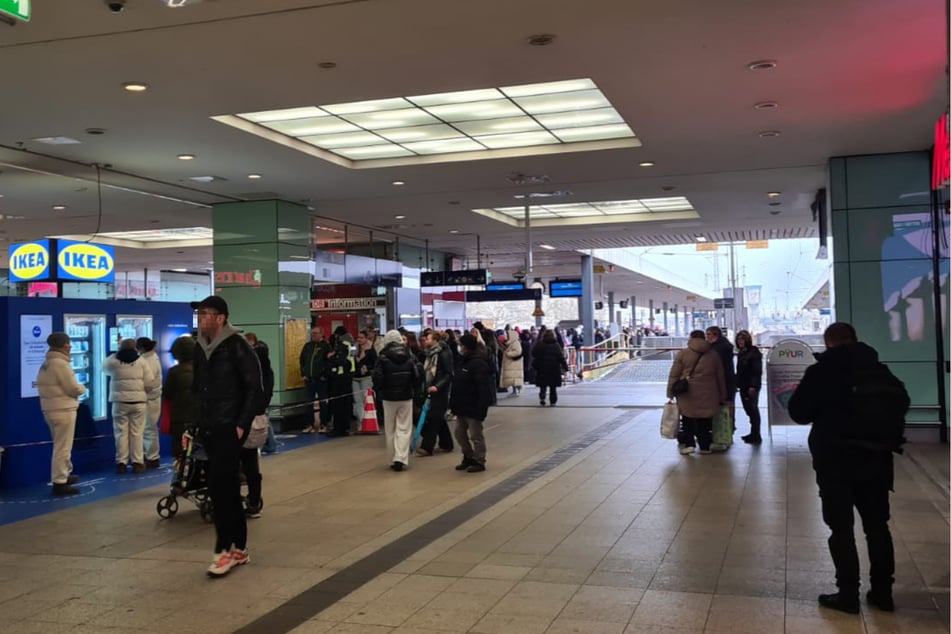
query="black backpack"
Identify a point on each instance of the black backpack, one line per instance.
(878, 404)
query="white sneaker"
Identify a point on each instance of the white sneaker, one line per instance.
(239, 557)
(686, 451)
(221, 564)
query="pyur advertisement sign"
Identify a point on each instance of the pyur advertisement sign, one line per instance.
(786, 363)
(34, 329)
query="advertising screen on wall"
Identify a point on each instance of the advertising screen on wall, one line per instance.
(34, 329)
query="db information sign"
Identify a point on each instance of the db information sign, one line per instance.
(785, 365)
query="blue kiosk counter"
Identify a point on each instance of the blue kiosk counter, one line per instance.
(95, 327)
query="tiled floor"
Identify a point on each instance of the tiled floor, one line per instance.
(618, 535)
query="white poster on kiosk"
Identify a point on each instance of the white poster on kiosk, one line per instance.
(785, 366)
(34, 329)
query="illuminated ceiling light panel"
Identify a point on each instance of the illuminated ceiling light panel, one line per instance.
(589, 213)
(531, 119)
(152, 238)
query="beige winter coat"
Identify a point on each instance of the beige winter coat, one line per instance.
(513, 370)
(56, 383)
(707, 386)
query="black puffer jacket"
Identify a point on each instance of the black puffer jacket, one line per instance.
(227, 383)
(724, 350)
(473, 386)
(548, 359)
(823, 398)
(749, 368)
(396, 373)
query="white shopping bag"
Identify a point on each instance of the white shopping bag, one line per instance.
(670, 421)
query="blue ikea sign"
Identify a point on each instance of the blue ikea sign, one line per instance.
(85, 262)
(29, 261)
(74, 261)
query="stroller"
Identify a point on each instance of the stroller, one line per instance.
(191, 482)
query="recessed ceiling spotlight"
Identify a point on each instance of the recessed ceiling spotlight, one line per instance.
(154, 221)
(777, 204)
(765, 105)
(668, 188)
(186, 157)
(327, 65)
(399, 217)
(773, 194)
(768, 134)
(646, 163)
(774, 212)
(762, 64)
(95, 131)
(59, 207)
(453, 202)
(135, 86)
(542, 39)
(547, 246)
(398, 183)
(254, 177)
(453, 231)
(700, 239)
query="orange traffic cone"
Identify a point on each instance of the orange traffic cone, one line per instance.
(369, 425)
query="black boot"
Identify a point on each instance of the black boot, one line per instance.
(881, 600)
(64, 489)
(838, 602)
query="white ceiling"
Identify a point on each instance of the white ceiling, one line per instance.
(853, 77)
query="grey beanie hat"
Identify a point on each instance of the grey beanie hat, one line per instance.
(57, 340)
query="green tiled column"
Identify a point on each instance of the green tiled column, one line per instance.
(882, 243)
(262, 268)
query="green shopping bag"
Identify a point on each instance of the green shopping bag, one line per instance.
(723, 427)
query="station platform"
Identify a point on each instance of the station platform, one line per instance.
(586, 521)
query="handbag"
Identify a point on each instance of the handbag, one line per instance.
(670, 421)
(723, 427)
(682, 384)
(258, 434)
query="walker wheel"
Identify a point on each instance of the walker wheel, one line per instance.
(207, 511)
(167, 507)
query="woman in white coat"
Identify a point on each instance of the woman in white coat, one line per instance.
(153, 407)
(513, 371)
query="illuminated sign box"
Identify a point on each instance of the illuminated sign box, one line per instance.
(564, 288)
(74, 261)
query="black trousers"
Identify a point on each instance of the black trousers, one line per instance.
(251, 468)
(436, 425)
(751, 407)
(871, 499)
(553, 398)
(700, 429)
(224, 487)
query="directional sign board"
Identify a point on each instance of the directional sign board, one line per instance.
(723, 302)
(19, 9)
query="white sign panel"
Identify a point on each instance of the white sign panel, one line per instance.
(786, 363)
(34, 329)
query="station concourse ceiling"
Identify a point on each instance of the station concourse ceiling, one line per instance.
(850, 77)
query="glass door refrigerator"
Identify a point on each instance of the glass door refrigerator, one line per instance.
(88, 336)
(130, 327)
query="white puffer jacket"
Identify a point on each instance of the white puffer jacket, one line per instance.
(57, 384)
(132, 378)
(151, 358)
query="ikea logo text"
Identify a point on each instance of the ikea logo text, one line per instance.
(29, 261)
(84, 261)
(790, 354)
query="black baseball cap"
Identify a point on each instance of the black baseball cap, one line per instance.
(213, 302)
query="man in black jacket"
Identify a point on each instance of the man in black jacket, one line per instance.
(313, 361)
(395, 378)
(473, 387)
(848, 475)
(437, 369)
(229, 391)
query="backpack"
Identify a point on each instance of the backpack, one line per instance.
(878, 403)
